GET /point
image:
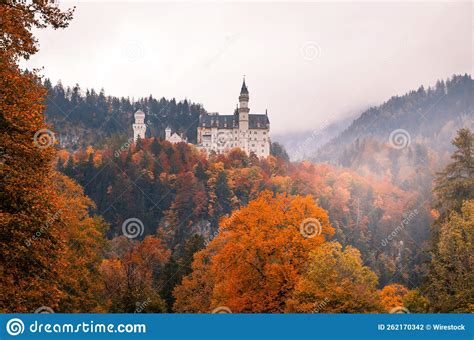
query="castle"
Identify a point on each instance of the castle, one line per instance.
(221, 133)
(249, 132)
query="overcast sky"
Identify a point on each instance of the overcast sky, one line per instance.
(307, 63)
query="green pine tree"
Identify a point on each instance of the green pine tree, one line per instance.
(456, 183)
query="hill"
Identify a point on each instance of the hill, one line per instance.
(405, 132)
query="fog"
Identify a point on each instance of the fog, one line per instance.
(307, 63)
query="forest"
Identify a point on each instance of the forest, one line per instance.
(94, 222)
(89, 117)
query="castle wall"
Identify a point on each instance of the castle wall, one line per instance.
(224, 140)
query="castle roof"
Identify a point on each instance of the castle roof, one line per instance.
(139, 113)
(244, 89)
(256, 121)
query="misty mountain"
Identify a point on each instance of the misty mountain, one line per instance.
(303, 144)
(405, 132)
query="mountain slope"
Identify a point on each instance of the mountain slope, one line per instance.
(302, 144)
(429, 118)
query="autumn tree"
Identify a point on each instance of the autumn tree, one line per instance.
(335, 281)
(84, 238)
(450, 282)
(253, 264)
(415, 302)
(19, 18)
(29, 275)
(130, 275)
(392, 296)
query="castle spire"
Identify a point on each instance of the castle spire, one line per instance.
(244, 89)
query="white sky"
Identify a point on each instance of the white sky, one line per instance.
(308, 63)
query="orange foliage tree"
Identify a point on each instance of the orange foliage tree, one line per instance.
(29, 275)
(397, 298)
(254, 263)
(391, 296)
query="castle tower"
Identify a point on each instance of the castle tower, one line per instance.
(139, 127)
(244, 107)
(167, 133)
(244, 117)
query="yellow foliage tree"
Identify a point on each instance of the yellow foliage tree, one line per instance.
(336, 281)
(84, 238)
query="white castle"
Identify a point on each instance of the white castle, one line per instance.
(249, 132)
(221, 133)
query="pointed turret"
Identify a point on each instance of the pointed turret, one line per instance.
(244, 93)
(244, 89)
